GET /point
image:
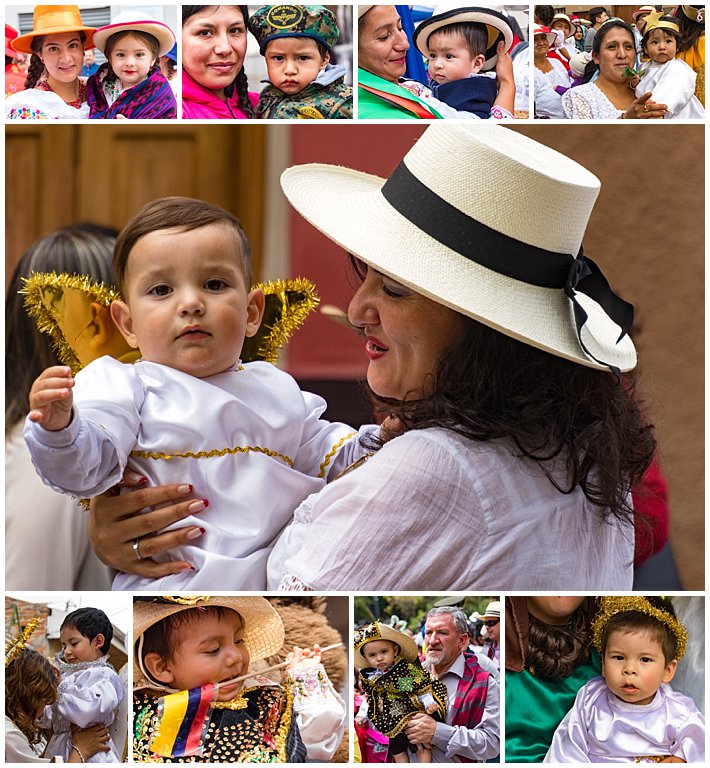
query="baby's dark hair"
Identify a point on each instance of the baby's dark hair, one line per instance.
(150, 41)
(675, 35)
(90, 622)
(636, 621)
(185, 214)
(475, 35)
(161, 637)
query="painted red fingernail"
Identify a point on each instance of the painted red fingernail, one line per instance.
(206, 502)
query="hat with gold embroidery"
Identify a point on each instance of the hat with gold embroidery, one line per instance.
(379, 631)
(312, 21)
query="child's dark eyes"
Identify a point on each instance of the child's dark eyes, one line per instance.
(215, 284)
(160, 290)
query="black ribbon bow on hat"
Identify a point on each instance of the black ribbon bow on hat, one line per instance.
(505, 255)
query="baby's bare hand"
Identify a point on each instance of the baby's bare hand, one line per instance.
(431, 709)
(51, 398)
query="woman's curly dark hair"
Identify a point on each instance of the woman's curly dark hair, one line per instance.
(582, 426)
(556, 651)
(31, 682)
(239, 85)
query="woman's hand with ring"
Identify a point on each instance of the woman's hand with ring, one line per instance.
(127, 538)
(644, 108)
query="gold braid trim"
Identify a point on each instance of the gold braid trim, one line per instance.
(610, 606)
(15, 647)
(333, 451)
(211, 454)
(284, 726)
(46, 318)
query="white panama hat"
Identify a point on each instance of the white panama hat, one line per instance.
(136, 21)
(487, 222)
(453, 13)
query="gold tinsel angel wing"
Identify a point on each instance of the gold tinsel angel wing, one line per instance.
(74, 311)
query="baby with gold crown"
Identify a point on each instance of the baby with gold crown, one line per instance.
(668, 78)
(631, 714)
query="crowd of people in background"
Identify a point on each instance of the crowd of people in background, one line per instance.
(606, 68)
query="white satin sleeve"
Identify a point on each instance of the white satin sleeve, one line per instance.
(92, 696)
(569, 742)
(319, 710)
(89, 456)
(327, 448)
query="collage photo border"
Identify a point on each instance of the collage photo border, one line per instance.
(19, 603)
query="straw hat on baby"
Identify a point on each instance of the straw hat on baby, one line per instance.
(487, 222)
(379, 631)
(53, 20)
(263, 628)
(454, 13)
(136, 21)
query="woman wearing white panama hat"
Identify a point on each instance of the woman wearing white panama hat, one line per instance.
(511, 429)
(499, 346)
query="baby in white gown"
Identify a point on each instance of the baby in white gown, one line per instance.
(90, 689)
(669, 79)
(246, 438)
(631, 714)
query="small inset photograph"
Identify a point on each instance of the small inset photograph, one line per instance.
(605, 679)
(79, 62)
(426, 679)
(267, 62)
(622, 62)
(66, 677)
(447, 60)
(240, 679)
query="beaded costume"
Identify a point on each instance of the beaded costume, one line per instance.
(393, 696)
(257, 727)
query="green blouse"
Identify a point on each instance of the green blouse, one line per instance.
(371, 106)
(535, 706)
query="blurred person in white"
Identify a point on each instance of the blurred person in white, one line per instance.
(46, 533)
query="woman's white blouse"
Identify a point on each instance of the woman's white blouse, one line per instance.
(435, 511)
(601, 728)
(588, 102)
(18, 749)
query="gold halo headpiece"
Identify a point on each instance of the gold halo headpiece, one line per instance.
(654, 21)
(14, 647)
(610, 606)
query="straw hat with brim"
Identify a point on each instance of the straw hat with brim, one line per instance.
(53, 20)
(136, 21)
(492, 610)
(263, 628)
(538, 29)
(363, 9)
(564, 17)
(487, 222)
(644, 9)
(453, 13)
(378, 631)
